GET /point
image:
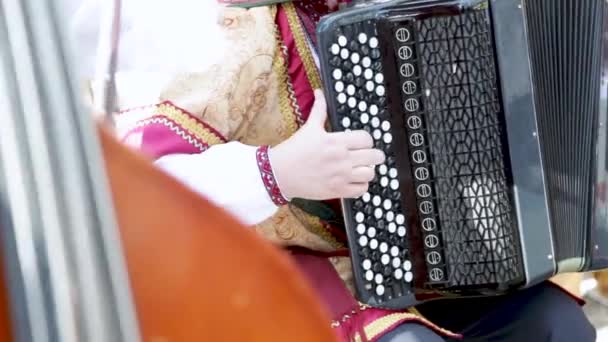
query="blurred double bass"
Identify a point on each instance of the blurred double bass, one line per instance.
(97, 244)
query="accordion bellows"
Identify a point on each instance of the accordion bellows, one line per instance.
(492, 115)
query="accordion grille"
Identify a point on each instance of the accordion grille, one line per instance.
(463, 126)
(565, 44)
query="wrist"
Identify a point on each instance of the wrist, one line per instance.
(269, 176)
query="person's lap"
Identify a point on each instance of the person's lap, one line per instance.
(540, 313)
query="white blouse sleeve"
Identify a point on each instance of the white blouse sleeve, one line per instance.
(228, 175)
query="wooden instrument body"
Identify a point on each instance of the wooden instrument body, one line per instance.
(196, 274)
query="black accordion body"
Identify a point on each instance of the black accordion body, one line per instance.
(492, 115)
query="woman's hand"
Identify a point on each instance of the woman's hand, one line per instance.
(318, 165)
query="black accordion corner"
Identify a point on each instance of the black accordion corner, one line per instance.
(482, 164)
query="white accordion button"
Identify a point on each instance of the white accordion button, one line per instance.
(380, 290)
(355, 58)
(373, 244)
(384, 247)
(379, 78)
(357, 70)
(342, 41)
(346, 122)
(362, 106)
(379, 278)
(384, 182)
(375, 122)
(382, 169)
(366, 197)
(364, 118)
(400, 219)
(386, 126)
(373, 110)
(378, 213)
(339, 86)
(401, 231)
(407, 265)
(387, 204)
(388, 138)
(392, 173)
(396, 262)
(369, 275)
(344, 54)
(380, 91)
(362, 38)
(359, 217)
(367, 264)
(377, 134)
(337, 74)
(361, 228)
(363, 241)
(342, 98)
(394, 184)
(392, 227)
(335, 49)
(385, 259)
(373, 42)
(366, 62)
(409, 276)
(376, 200)
(398, 274)
(390, 216)
(394, 251)
(369, 86)
(352, 102)
(350, 90)
(371, 232)
(368, 74)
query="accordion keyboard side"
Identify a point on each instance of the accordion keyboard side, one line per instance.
(599, 234)
(565, 41)
(439, 218)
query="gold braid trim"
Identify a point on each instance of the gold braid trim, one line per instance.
(383, 324)
(280, 68)
(131, 119)
(303, 49)
(315, 226)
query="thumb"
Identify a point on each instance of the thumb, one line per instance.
(318, 113)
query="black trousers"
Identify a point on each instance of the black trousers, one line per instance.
(540, 313)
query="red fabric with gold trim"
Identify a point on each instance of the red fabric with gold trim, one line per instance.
(163, 129)
(304, 94)
(352, 319)
(267, 175)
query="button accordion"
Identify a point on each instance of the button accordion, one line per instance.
(492, 115)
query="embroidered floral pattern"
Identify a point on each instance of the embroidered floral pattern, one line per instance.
(268, 176)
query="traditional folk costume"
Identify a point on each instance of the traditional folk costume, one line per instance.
(204, 92)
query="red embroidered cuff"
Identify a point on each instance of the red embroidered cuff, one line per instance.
(268, 177)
